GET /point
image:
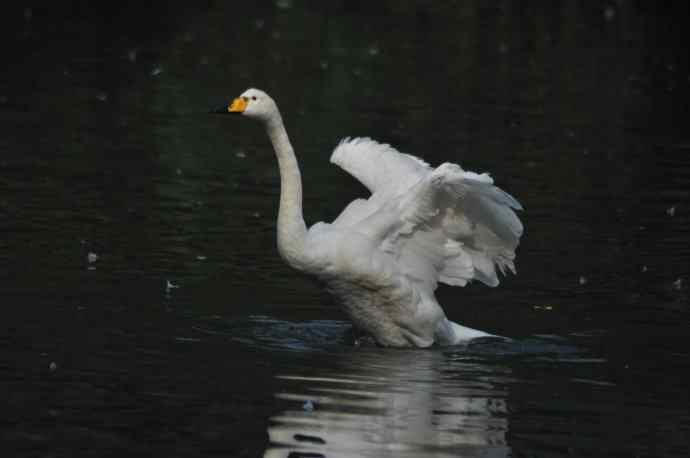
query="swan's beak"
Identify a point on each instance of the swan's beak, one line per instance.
(237, 106)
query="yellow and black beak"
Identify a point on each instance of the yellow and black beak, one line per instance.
(237, 106)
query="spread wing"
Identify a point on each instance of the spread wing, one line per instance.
(378, 166)
(442, 224)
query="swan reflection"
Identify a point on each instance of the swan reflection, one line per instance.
(393, 403)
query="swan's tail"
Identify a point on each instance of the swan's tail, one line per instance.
(450, 333)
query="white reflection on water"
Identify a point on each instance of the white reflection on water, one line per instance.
(381, 403)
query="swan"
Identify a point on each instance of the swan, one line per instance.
(383, 257)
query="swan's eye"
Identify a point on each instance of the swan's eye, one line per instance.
(253, 97)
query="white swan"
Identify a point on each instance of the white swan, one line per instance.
(383, 257)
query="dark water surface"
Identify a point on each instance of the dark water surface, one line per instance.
(145, 310)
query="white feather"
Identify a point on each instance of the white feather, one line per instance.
(378, 166)
(442, 224)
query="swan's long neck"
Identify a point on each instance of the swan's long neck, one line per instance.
(291, 227)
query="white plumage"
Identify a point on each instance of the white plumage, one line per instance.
(383, 257)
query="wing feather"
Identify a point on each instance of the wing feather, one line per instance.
(442, 224)
(379, 166)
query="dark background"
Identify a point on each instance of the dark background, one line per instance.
(579, 109)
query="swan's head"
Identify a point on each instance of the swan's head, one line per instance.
(253, 103)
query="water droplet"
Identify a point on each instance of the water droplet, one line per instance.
(156, 71)
(373, 50)
(102, 97)
(323, 64)
(284, 4)
(644, 269)
(582, 280)
(543, 307)
(240, 154)
(92, 257)
(170, 285)
(178, 171)
(671, 211)
(52, 366)
(259, 24)
(678, 284)
(256, 215)
(201, 257)
(308, 406)
(609, 13)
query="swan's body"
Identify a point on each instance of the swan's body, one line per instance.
(383, 257)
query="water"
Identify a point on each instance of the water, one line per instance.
(146, 311)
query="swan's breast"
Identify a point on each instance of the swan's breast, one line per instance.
(345, 254)
(368, 285)
(395, 315)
